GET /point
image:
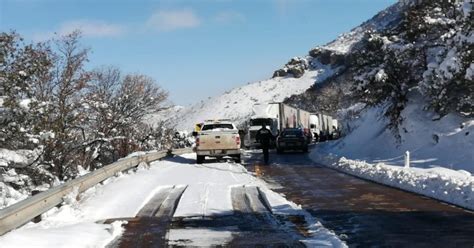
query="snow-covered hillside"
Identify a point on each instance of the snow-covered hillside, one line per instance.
(447, 142)
(408, 87)
(383, 20)
(385, 63)
(162, 116)
(237, 103)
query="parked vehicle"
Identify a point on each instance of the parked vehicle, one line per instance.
(324, 127)
(336, 133)
(315, 126)
(304, 120)
(276, 117)
(328, 130)
(217, 138)
(198, 127)
(292, 139)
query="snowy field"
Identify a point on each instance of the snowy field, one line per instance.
(208, 194)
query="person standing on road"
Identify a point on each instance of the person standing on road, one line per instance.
(264, 137)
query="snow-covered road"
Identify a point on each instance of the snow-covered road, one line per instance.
(222, 203)
(78, 223)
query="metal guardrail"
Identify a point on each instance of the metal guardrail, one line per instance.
(22, 212)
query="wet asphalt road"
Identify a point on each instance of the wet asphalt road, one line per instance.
(362, 213)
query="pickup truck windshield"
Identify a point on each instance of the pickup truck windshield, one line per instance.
(260, 122)
(217, 126)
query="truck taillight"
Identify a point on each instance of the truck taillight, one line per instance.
(237, 140)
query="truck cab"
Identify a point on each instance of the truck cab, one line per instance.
(256, 124)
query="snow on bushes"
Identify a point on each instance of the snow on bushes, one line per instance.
(56, 117)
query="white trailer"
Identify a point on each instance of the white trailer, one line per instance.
(330, 129)
(323, 127)
(327, 128)
(304, 118)
(276, 117)
(336, 134)
(288, 117)
(335, 124)
(315, 125)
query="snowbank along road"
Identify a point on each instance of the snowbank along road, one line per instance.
(176, 203)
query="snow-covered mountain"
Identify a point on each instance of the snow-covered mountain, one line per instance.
(389, 74)
(162, 116)
(299, 74)
(237, 103)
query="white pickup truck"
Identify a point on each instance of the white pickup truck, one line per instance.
(218, 139)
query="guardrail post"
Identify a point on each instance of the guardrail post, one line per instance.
(407, 159)
(37, 218)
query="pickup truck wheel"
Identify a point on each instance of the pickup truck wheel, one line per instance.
(200, 159)
(238, 159)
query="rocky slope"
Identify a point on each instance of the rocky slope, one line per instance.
(406, 85)
(413, 44)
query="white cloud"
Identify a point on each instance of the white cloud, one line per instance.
(229, 16)
(88, 28)
(168, 20)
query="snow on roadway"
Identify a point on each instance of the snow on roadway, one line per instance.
(208, 194)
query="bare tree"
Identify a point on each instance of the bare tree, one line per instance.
(117, 107)
(139, 95)
(52, 107)
(68, 81)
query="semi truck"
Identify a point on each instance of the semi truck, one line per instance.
(323, 127)
(316, 126)
(276, 117)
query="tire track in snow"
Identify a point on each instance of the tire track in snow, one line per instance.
(205, 201)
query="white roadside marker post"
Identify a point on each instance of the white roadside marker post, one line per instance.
(407, 159)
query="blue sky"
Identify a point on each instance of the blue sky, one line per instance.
(193, 49)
